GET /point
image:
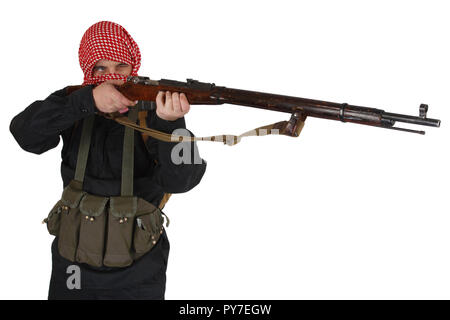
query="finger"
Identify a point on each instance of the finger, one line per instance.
(159, 100)
(118, 96)
(113, 105)
(106, 84)
(168, 103)
(176, 102)
(185, 106)
(160, 104)
(117, 106)
(125, 101)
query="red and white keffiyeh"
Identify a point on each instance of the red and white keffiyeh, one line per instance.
(110, 41)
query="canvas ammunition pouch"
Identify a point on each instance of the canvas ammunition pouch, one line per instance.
(104, 231)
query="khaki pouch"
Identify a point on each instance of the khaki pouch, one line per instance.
(109, 231)
(92, 230)
(70, 220)
(148, 227)
(53, 219)
(121, 214)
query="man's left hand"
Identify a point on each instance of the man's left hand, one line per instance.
(171, 106)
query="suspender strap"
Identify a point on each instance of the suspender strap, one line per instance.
(128, 156)
(83, 149)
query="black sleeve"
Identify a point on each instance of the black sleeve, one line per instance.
(38, 127)
(170, 176)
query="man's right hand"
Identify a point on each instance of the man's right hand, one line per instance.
(108, 99)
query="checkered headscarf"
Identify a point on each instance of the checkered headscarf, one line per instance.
(110, 41)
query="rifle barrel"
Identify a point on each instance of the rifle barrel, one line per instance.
(411, 119)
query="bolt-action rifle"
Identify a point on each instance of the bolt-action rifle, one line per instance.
(145, 90)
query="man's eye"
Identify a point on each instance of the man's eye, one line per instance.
(99, 68)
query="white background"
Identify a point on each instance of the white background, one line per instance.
(343, 212)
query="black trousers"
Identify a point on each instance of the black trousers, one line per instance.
(144, 279)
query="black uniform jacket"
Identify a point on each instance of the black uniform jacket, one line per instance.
(39, 127)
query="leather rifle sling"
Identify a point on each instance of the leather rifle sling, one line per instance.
(274, 128)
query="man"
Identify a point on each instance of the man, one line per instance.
(108, 54)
